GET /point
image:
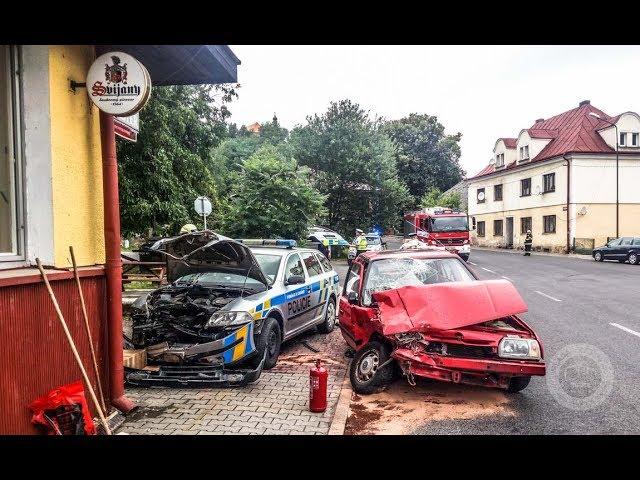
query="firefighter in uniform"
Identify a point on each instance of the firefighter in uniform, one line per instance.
(360, 241)
(528, 241)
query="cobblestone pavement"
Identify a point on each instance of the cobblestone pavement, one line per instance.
(278, 403)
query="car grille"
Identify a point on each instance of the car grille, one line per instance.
(452, 241)
(467, 351)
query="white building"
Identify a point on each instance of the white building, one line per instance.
(558, 178)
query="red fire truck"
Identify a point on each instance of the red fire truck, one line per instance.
(440, 226)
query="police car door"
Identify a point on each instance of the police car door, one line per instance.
(319, 282)
(297, 306)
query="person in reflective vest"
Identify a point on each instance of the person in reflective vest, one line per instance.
(528, 241)
(360, 241)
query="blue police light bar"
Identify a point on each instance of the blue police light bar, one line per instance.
(267, 242)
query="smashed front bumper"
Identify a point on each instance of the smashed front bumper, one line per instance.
(473, 371)
(192, 376)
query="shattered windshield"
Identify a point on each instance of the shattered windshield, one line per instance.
(270, 264)
(390, 273)
(222, 279)
(449, 224)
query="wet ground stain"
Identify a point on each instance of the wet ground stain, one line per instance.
(148, 411)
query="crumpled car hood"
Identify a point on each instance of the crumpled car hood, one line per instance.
(207, 251)
(446, 306)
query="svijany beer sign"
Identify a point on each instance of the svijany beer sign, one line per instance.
(118, 84)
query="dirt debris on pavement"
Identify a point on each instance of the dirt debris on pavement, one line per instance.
(401, 408)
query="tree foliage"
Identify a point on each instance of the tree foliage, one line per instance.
(272, 197)
(435, 198)
(353, 164)
(168, 167)
(426, 157)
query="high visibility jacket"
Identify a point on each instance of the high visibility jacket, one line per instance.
(361, 242)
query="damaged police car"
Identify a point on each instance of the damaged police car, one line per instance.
(229, 308)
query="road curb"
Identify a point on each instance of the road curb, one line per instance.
(533, 253)
(341, 413)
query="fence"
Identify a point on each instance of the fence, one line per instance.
(583, 245)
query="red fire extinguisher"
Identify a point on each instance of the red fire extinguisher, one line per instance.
(318, 388)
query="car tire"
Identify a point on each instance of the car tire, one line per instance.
(517, 384)
(364, 373)
(465, 257)
(329, 318)
(633, 258)
(269, 341)
(598, 256)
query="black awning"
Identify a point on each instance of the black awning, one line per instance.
(183, 64)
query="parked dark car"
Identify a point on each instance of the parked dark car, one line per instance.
(622, 249)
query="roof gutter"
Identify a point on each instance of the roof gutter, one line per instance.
(568, 249)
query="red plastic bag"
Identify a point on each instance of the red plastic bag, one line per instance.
(64, 411)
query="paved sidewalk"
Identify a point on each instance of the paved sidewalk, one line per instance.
(276, 404)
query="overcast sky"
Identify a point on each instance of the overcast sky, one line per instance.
(484, 92)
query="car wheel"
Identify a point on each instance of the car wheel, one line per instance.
(598, 257)
(268, 342)
(633, 258)
(329, 318)
(517, 384)
(465, 257)
(369, 372)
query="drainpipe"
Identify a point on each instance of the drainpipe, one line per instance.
(113, 264)
(568, 203)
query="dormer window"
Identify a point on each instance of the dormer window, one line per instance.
(634, 139)
(623, 139)
(524, 152)
(500, 160)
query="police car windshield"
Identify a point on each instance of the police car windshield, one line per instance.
(222, 279)
(449, 224)
(270, 264)
(374, 240)
(390, 273)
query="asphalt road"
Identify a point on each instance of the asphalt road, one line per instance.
(593, 367)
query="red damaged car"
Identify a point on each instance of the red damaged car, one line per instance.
(424, 313)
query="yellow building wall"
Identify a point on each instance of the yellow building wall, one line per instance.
(599, 221)
(555, 242)
(76, 160)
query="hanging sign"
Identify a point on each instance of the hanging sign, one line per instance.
(118, 84)
(127, 127)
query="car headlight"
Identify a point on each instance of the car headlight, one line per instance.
(516, 347)
(227, 319)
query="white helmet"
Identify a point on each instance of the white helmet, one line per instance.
(188, 228)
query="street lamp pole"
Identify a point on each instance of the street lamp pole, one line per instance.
(593, 114)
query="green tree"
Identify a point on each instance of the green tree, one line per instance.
(435, 198)
(168, 167)
(271, 197)
(271, 132)
(352, 163)
(426, 157)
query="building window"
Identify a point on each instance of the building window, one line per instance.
(525, 224)
(549, 182)
(497, 192)
(549, 223)
(497, 228)
(480, 229)
(524, 152)
(480, 195)
(500, 160)
(525, 187)
(623, 139)
(634, 139)
(11, 223)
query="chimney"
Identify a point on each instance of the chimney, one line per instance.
(585, 102)
(540, 120)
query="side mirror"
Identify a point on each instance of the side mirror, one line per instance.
(352, 298)
(294, 280)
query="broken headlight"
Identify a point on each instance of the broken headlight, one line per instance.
(227, 319)
(516, 347)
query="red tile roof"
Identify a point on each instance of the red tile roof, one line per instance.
(572, 131)
(510, 142)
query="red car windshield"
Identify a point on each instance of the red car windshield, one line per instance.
(391, 273)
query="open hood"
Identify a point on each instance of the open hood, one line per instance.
(207, 251)
(446, 306)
